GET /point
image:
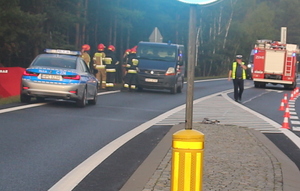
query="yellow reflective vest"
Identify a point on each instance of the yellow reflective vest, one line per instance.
(234, 66)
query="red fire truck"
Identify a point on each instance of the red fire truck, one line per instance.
(275, 63)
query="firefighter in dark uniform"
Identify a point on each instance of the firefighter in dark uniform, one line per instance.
(237, 73)
(130, 79)
(125, 64)
(110, 62)
(100, 66)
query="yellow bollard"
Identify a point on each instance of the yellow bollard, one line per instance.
(187, 160)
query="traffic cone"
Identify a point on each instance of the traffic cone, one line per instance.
(287, 111)
(292, 96)
(281, 108)
(285, 99)
(285, 124)
(296, 92)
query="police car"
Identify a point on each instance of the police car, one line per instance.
(60, 74)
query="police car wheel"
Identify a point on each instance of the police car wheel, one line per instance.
(25, 98)
(82, 102)
(94, 100)
(40, 99)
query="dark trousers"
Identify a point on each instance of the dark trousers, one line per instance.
(238, 86)
(110, 80)
(110, 77)
(130, 79)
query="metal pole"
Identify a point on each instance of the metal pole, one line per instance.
(191, 68)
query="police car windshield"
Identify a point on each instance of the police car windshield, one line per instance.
(163, 53)
(58, 61)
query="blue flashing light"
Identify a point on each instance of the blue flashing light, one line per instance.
(294, 54)
(255, 51)
(199, 2)
(66, 52)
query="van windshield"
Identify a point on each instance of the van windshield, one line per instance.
(162, 53)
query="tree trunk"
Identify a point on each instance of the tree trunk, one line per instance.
(233, 2)
(83, 39)
(77, 27)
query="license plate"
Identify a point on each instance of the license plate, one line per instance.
(151, 80)
(50, 77)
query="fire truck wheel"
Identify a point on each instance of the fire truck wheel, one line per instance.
(259, 85)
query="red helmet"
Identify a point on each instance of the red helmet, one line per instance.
(101, 47)
(127, 51)
(111, 47)
(133, 50)
(86, 47)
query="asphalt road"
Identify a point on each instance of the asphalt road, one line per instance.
(40, 145)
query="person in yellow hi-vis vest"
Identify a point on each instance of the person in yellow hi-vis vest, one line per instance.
(238, 74)
(100, 66)
(110, 61)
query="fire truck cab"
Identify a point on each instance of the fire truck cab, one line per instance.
(275, 63)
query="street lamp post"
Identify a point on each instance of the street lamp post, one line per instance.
(191, 59)
(191, 68)
(188, 144)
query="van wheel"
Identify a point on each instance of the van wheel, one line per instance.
(179, 89)
(25, 98)
(140, 89)
(174, 89)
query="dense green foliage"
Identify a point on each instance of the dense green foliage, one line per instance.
(224, 29)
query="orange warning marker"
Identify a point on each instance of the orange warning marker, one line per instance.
(285, 124)
(281, 108)
(285, 99)
(287, 111)
(296, 92)
(292, 96)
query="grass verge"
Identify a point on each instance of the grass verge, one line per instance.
(11, 99)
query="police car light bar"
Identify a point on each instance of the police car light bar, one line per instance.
(59, 51)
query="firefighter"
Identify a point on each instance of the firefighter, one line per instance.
(100, 66)
(125, 64)
(84, 55)
(238, 74)
(110, 62)
(130, 79)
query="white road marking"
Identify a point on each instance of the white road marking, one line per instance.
(295, 122)
(294, 117)
(296, 128)
(287, 132)
(40, 104)
(255, 97)
(21, 107)
(73, 178)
